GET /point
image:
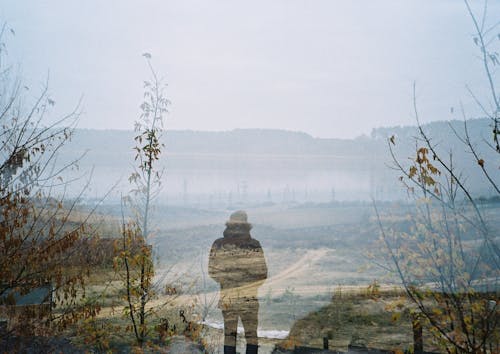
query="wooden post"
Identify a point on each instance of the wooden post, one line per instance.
(325, 343)
(418, 341)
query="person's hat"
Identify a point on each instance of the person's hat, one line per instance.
(238, 217)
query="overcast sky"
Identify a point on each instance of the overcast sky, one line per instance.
(331, 68)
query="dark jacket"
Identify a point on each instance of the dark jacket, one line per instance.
(237, 262)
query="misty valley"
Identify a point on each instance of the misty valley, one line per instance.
(312, 204)
(320, 209)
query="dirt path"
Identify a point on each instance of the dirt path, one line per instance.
(281, 281)
(299, 272)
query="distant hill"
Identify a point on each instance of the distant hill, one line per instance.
(272, 141)
(238, 141)
(281, 162)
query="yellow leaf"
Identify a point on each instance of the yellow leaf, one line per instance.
(396, 316)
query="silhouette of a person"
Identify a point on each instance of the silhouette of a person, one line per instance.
(237, 263)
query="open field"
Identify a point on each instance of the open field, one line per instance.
(321, 272)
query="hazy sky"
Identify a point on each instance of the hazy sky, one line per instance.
(331, 68)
